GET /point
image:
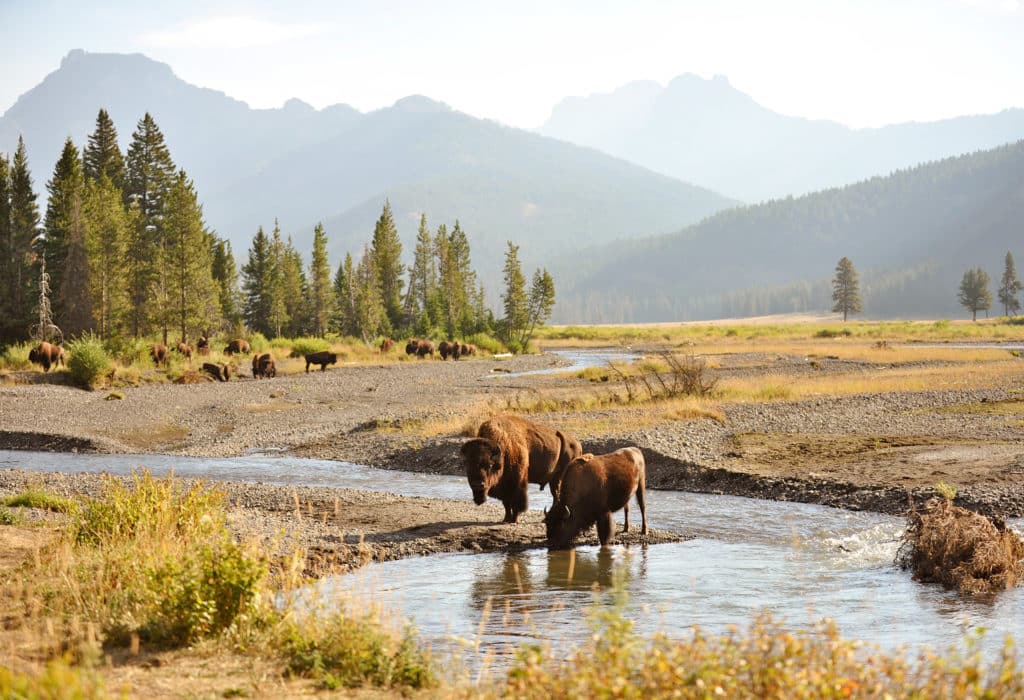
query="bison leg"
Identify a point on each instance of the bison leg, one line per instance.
(605, 527)
(625, 510)
(516, 505)
(307, 367)
(641, 501)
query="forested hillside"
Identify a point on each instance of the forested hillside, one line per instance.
(912, 234)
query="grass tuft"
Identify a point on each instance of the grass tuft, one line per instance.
(43, 500)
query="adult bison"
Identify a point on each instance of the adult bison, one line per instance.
(509, 453)
(424, 348)
(590, 490)
(220, 372)
(322, 358)
(203, 345)
(158, 351)
(447, 349)
(411, 346)
(466, 349)
(238, 346)
(185, 349)
(263, 366)
(386, 345)
(47, 355)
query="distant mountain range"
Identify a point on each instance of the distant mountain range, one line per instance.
(338, 165)
(911, 235)
(708, 132)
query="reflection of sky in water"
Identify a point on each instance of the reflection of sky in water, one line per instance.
(581, 360)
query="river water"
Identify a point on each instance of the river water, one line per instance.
(799, 562)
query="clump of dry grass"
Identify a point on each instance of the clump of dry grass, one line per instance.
(961, 549)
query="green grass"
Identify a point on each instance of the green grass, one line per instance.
(43, 500)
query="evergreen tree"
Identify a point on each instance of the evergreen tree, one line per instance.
(321, 295)
(108, 228)
(370, 314)
(541, 303)
(257, 276)
(344, 320)
(276, 306)
(295, 291)
(421, 297)
(73, 294)
(1009, 287)
(7, 256)
(974, 293)
(187, 260)
(63, 209)
(387, 257)
(465, 278)
(23, 231)
(102, 155)
(225, 276)
(514, 299)
(845, 289)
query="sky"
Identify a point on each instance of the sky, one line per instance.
(861, 63)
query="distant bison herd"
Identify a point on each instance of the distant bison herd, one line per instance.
(510, 452)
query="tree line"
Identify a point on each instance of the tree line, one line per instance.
(123, 251)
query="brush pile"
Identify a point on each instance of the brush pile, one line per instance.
(961, 549)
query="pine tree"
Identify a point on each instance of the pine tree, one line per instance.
(541, 303)
(370, 314)
(387, 257)
(225, 276)
(465, 279)
(7, 257)
(108, 228)
(187, 260)
(23, 232)
(73, 294)
(422, 293)
(295, 290)
(321, 295)
(344, 320)
(257, 276)
(277, 308)
(845, 289)
(63, 210)
(102, 155)
(974, 293)
(514, 299)
(1009, 287)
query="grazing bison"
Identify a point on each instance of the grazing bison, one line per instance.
(511, 452)
(263, 366)
(411, 345)
(424, 348)
(386, 345)
(203, 345)
(185, 349)
(590, 490)
(447, 349)
(322, 358)
(158, 351)
(47, 355)
(466, 349)
(237, 346)
(221, 373)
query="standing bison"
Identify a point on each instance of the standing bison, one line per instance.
(424, 348)
(590, 490)
(386, 345)
(186, 350)
(203, 345)
(238, 346)
(410, 346)
(158, 351)
(447, 349)
(263, 366)
(47, 355)
(322, 358)
(510, 453)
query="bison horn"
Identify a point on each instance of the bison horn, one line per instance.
(568, 511)
(545, 512)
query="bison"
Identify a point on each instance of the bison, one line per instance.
(424, 348)
(221, 373)
(185, 349)
(509, 453)
(237, 346)
(47, 355)
(466, 349)
(590, 489)
(263, 366)
(386, 345)
(158, 351)
(203, 345)
(411, 345)
(322, 358)
(448, 349)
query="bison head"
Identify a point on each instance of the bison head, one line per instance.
(559, 526)
(33, 356)
(484, 463)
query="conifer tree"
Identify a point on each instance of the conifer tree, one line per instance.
(63, 210)
(344, 320)
(514, 299)
(187, 260)
(108, 228)
(1009, 287)
(295, 291)
(225, 276)
(7, 257)
(370, 314)
(974, 293)
(257, 276)
(73, 294)
(277, 309)
(321, 295)
(422, 292)
(102, 154)
(387, 257)
(845, 289)
(541, 302)
(23, 232)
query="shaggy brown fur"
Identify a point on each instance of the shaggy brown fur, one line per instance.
(322, 358)
(158, 351)
(424, 348)
(590, 490)
(386, 345)
(263, 366)
(237, 346)
(47, 355)
(511, 452)
(446, 349)
(185, 349)
(221, 373)
(203, 345)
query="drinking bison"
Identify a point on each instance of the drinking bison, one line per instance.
(591, 489)
(158, 351)
(263, 366)
(237, 346)
(511, 452)
(322, 358)
(386, 345)
(47, 355)
(446, 349)
(186, 350)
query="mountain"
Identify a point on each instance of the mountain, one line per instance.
(911, 234)
(338, 165)
(707, 131)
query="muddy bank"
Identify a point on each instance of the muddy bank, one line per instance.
(343, 529)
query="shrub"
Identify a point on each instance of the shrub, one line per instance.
(87, 360)
(15, 357)
(303, 346)
(58, 679)
(10, 517)
(129, 351)
(257, 341)
(831, 333)
(486, 343)
(44, 500)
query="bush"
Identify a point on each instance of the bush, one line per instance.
(59, 679)
(87, 360)
(303, 346)
(257, 341)
(129, 351)
(15, 357)
(830, 333)
(486, 343)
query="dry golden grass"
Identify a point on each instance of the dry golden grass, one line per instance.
(861, 350)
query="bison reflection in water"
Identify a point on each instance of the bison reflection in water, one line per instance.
(510, 453)
(590, 490)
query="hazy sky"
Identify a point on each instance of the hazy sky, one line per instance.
(863, 63)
